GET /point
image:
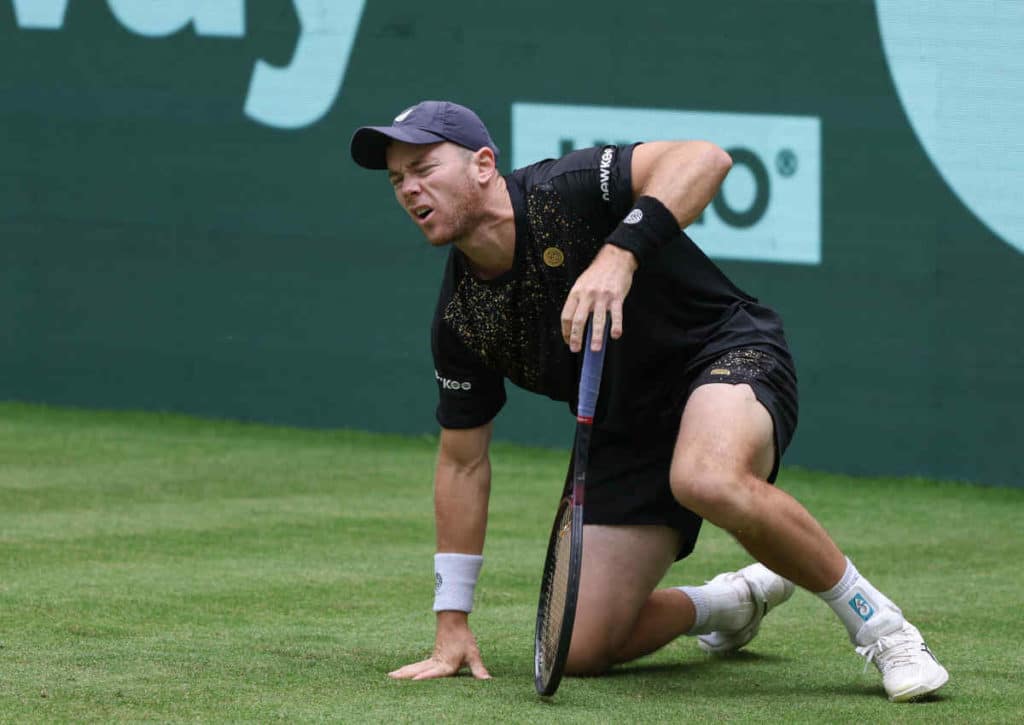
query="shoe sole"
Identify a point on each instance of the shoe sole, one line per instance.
(922, 689)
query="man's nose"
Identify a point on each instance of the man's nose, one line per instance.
(410, 186)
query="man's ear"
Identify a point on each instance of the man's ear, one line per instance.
(486, 164)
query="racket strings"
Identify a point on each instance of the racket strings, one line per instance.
(557, 587)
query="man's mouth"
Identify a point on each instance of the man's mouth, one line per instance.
(422, 212)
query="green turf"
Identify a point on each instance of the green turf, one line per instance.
(163, 568)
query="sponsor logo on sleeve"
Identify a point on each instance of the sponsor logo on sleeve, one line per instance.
(450, 384)
(604, 170)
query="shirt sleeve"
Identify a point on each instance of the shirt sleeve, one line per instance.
(469, 393)
(598, 182)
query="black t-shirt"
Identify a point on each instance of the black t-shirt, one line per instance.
(681, 311)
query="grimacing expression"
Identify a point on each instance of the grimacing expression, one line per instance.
(434, 184)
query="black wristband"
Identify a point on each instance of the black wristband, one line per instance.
(647, 227)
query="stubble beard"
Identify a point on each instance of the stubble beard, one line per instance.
(464, 215)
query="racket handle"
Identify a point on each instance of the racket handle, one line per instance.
(590, 377)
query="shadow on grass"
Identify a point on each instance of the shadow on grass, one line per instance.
(698, 673)
(874, 691)
(710, 664)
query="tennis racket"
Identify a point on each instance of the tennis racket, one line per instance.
(560, 585)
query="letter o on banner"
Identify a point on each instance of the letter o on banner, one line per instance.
(762, 191)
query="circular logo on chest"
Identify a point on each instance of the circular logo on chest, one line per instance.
(553, 257)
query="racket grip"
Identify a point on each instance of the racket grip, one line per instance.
(590, 377)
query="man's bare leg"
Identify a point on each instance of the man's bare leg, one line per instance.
(724, 452)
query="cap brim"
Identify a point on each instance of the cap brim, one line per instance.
(369, 143)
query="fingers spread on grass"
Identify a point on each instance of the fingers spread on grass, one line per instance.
(437, 669)
(476, 666)
(410, 672)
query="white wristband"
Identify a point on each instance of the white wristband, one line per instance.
(455, 578)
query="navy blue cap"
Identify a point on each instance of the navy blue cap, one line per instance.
(426, 122)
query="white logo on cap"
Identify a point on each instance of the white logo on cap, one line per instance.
(404, 114)
(634, 217)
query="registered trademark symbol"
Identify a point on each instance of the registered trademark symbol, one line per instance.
(785, 162)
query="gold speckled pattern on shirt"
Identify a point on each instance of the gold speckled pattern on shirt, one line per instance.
(513, 324)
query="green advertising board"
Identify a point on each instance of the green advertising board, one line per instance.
(181, 227)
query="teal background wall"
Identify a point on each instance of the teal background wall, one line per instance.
(163, 248)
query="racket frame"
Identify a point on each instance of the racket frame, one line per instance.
(572, 498)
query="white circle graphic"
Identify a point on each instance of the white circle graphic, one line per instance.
(958, 66)
(634, 217)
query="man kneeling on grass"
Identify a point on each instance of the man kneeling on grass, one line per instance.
(697, 405)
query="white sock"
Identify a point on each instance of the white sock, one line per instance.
(856, 602)
(720, 607)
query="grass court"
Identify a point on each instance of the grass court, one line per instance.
(165, 568)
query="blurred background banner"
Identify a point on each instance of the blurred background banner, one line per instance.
(181, 227)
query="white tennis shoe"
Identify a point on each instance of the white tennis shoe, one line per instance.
(765, 588)
(909, 669)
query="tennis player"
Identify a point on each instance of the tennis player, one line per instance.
(697, 405)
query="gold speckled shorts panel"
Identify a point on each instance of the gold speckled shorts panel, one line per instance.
(773, 380)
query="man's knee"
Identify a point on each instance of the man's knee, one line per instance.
(597, 635)
(719, 493)
(587, 658)
(621, 567)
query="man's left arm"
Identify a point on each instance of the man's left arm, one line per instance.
(672, 183)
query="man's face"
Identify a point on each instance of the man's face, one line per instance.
(435, 186)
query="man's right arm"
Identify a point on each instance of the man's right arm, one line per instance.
(462, 484)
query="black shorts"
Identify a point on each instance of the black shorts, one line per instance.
(628, 472)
